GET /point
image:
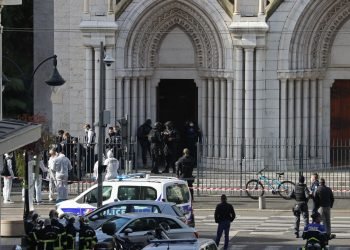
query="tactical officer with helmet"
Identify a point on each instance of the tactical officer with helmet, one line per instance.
(171, 139)
(155, 138)
(301, 194)
(185, 165)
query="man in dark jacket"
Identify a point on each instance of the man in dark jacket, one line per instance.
(142, 137)
(156, 141)
(314, 185)
(184, 169)
(301, 195)
(324, 199)
(224, 215)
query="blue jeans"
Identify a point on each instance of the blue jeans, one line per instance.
(224, 226)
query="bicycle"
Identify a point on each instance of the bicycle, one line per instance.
(255, 187)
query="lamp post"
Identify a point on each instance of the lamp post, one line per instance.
(54, 80)
(103, 119)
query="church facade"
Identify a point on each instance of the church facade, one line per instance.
(245, 71)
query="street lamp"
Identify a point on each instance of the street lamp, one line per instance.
(102, 120)
(55, 80)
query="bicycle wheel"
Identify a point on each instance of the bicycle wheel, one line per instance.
(254, 189)
(285, 188)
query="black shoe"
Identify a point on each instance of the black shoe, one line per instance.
(332, 236)
(165, 171)
(155, 172)
(296, 235)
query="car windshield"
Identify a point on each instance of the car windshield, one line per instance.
(119, 221)
(178, 193)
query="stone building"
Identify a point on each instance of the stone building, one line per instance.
(242, 69)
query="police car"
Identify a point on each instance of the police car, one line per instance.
(182, 244)
(137, 187)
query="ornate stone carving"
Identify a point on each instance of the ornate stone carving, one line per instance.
(153, 30)
(324, 36)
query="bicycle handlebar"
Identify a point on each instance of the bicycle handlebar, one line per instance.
(260, 171)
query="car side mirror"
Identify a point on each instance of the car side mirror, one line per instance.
(128, 231)
(109, 228)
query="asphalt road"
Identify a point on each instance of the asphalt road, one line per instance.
(254, 228)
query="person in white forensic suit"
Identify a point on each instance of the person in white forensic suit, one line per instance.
(95, 173)
(38, 178)
(52, 174)
(62, 167)
(112, 166)
(8, 176)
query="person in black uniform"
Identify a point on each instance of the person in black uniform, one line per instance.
(224, 215)
(142, 137)
(71, 233)
(61, 231)
(46, 237)
(184, 169)
(87, 235)
(156, 141)
(171, 139)
(301, 195)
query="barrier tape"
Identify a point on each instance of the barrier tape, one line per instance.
(209, 188)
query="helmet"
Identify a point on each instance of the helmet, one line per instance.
(35, 217)
(53, 214)
(83, 220)
(169, 124)
(157, 125)
(149, 122)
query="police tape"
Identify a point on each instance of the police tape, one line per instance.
(208, 188)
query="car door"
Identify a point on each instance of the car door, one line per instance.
(175, 229)
(106, 213)
(139, 227)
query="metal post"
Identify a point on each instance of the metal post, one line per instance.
(301, 167)
(101, 132)
(26, 187)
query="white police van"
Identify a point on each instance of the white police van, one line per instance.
(137, 187)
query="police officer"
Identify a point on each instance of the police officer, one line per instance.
(300, 194)
(155, 138)
(61, 242)
(185, 165)
(314, 185)
(171, 139)
(87, 235)
(316, 231)
(71, 233)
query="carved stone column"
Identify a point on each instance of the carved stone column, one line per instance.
(313, 117)
(148, 99)
(127, 97)
(89, 109)
(229, 140)
(110, 88)
(223, 117)
(291, 120)
(216, 116)
(306, 117)
(284, 122)
(249, 103)
(97, 84)
(204, 114)
(119, 98)
(238, 103)
(134, 102)
(210, 116)
(142, 104)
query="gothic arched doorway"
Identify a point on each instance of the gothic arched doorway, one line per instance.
(340, 122)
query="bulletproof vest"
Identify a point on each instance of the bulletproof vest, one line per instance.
(300, 193)
(187, 164)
